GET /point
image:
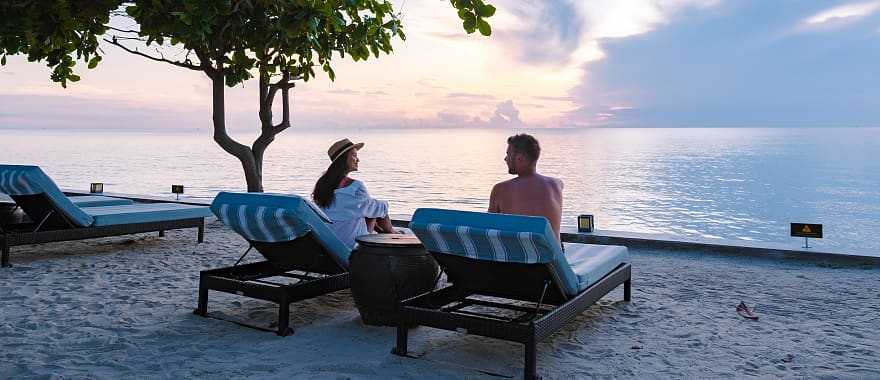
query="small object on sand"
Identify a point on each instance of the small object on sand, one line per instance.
(745, 312)
(788, 358)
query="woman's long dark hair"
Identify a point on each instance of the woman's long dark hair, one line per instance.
(323, 194)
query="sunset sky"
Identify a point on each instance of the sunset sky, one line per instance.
(555, 63)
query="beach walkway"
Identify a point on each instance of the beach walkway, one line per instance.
(122, 306)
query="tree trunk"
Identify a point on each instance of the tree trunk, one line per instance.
(250, 164)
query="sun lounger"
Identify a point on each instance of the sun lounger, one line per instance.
(509, 278)
(78, 200)
(54, 217)
(304, 259)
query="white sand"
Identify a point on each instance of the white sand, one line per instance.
(118, 307)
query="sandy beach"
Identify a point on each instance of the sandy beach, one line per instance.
(122, 306)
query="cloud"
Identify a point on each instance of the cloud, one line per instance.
(449, 118)
(734, 66)
(469, 95)
(844, 12)
(506, 115)
(556, 98)
(546, 31)
(345, 91)
(29, 111)
(430, 83)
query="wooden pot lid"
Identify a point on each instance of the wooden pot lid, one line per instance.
(389, 240)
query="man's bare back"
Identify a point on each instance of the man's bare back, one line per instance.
(532, 194)
(529, 193)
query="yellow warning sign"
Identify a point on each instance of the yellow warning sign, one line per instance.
(806, 230)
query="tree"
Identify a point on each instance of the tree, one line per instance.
(279, 42)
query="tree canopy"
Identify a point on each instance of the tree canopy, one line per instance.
(231, 41)
(270, 36)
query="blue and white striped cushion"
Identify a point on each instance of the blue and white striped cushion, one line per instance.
(273, 218)
(484, 243)
(15, 182)
(30, 180)
(260, 223)
(494, 237)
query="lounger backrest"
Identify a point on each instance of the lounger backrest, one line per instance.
(30, 180)
(494, 237)
(272, 218)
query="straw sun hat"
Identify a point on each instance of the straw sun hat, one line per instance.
(339, 148)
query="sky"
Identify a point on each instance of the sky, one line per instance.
(548, 64)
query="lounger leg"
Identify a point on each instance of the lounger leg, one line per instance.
(4, 255)
(402, 335)
(284, 318)
(627, 290)
(202, 232)
(203, 300)
(530, 367)
(162, 233)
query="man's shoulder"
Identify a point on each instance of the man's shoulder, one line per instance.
(504, 184)
(550, 180)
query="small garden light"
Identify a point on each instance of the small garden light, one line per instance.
(177, 189)
(586, 223)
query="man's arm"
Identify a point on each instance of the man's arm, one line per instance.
(493, 200)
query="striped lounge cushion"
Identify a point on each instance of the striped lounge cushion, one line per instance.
(515, 239)
(272, 218)
(261, 223)
(484, 243)
(494, 237)
(31, 180)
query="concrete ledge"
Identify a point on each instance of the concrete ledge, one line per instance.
(719, 246)
(630, 239)
(144, 198)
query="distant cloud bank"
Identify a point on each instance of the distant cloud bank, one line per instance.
(554, 63)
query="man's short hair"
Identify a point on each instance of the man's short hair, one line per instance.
(525, 144)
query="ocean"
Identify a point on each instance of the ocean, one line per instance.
(730, 183)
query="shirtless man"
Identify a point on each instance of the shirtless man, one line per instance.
(529, 193)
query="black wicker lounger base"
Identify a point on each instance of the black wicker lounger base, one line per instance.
(19, 234)
(250, 280)
(461, 308)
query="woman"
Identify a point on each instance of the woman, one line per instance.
(346, 200)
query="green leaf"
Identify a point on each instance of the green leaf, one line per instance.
(486, 11)
(484, 27)
(73, 78)
(470, 23)
(94, 61)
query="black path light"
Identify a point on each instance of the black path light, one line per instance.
(586, 223)
(177, 189)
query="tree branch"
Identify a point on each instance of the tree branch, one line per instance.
(160, 59)
(205, 62)
(228, 23)
(123, 30)
(280, 127)
(285, 100)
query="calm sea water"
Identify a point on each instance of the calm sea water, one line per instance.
(743, 184)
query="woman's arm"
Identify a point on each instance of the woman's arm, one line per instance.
(371, 207)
